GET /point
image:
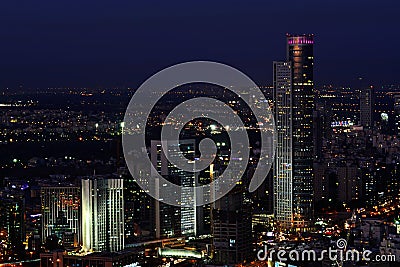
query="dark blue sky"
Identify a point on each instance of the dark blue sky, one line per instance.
(121, 43)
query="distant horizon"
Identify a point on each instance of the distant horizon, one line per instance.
(23, 87)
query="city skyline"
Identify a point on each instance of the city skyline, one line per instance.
(184, 134)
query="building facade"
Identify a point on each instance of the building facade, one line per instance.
(397, 114)
(61, 212)
(170, 220)
(300, 52)
(103, 213)
(232, 228)
(366, 107)
(12, 226)
(283, 175)
(98, 259)
(294, 107)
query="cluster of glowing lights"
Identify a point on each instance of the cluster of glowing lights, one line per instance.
(300, 40)
(341, 124)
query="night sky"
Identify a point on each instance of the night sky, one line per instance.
(121, 43)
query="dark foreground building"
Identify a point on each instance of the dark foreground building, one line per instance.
(97, 259)
(231, 228)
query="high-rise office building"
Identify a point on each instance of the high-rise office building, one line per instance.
(319, 132)
(283, 191)
(231, 226)
(294, 106)
(349, 183)
(138, 208)
(300, 52)
(325, 184)
(61, 212)
(397, 114)
(367, 107)
(379, 183)
(12, 226)
(171, 220)
(103, 214)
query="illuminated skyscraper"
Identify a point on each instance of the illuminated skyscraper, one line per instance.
(397, 114)
(366, 107)
(60, 212)
(294, 106)
(103, 214)
(283, 192)
(171, 220)
(300, 53)
(12, 225)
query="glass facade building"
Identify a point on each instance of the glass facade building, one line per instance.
(283, 202)
(103, 214)
(300, 52)
(170, 220)
(294, 106)
(61, 212)
(366, 107)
